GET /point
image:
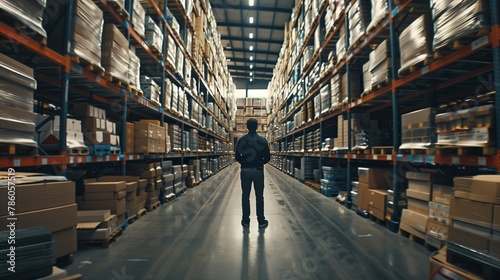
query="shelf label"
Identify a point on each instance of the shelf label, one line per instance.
(17, 162)
(389, 158)
(45, 161)
(425, 70)
(455, 160)
(130, 157)
(71, 160)
(354, 156)
(481, 161)
(481, 42)
(375, 157)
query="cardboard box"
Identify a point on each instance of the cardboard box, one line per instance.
(437, 230)
(472, 212)
(94, 234)
(496, 218)
(131, 203)
(377, 198)
(418, 206)
(376, 178)
(115, 206)
(471, 236)
(441, 269)
(120, 219)
(486, 188)
(66, 218)
(91, 196)
(363, 201)
(168, 178)
(65, 242)
(31, 197)
(112, 34)
(462, 187)
(93, 216)
(106, 186)
(440, 213)
(97, 137)
(414, 220)
(131, 195)
(418, 195)
(110, 222)
(130, 138)
(90, 124)
(420, 186)
(376, 212)
(442, 194)
(151, 195)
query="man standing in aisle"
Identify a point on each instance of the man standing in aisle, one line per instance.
(252, 152)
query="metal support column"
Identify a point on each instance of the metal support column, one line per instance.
(495, 22)
(349, 134)
(395, 114)
(123, 134)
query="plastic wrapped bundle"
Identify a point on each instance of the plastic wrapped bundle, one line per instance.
(341, 49)
(454, 19)
(17, 120)
(415, 44)
(88, 25)
(380, 64)
(336, 90)
(379, 12)
(29, 12)
(150, 88)
(325, 99)
(359, 17)
(134, 70)
(367, 77)
(138, 19)
(115, 53)
(154, 37)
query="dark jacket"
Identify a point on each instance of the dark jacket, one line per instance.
(252, 150)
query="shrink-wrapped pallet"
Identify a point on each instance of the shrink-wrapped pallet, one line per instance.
(359, 17)
(454, 19)
(379, 12)
(29, 12)
(115, 53)
(415, 43)
(380, 64)
(87, 31)
(139, 18)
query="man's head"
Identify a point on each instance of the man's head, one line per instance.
(252, 124)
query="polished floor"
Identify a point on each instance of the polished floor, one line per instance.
(199, 236)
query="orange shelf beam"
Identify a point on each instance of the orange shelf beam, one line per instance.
(31, 161)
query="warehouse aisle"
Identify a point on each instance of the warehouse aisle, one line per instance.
(199, 236)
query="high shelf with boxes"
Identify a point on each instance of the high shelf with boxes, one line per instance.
(247, 108)
(411, 87)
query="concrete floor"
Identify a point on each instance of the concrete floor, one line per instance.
(199, 236)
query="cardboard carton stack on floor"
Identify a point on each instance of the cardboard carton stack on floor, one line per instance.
(152, 172)
(439, 221)
(168, 178)
(178, 179)
(105, 196)
(475, 214)
(95, 224)
(414, 219)
(135, 188)
(197, 171)
(372, 190)
(37, 203)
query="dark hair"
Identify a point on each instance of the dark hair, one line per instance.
(252, 124)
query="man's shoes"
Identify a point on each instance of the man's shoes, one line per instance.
(263, 224)
(245, 224)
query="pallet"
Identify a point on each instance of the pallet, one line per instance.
(377, 220)
(433, 244)
(156, 51)
(381, 84)
(154, 102)
(474, 262)
(118, 9)
(20, 27)
(78, 151)
(65, 260)
(366, 92)
(101, 243)
(357, 43)
(18, 150)
(460, 42)
(382, 150)
(94, 68)
(418, 151)
(141, 213)
(415, 67)
(118, 82)
(115, 150)
(411, 237)
(100, 150)
(136, 92)
(314, 186)
(153, 206)
(131, 219)
(377, 24)
(362, 152)
(465, 151)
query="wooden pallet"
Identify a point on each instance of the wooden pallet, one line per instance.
(412, 237)
(460, 42)
(382, 150)
(20, 27)
(101, 243)
(141, 213)
(465, 151)
(377, 24)
(381, 84)
(415, 67)
(18, 150)
(136, 92)
(118, 82)
(377, 220)
(78, 151)
(94, 68)
(362, 152)
(115, 150)
(312, 185)
(466, 263)
(357, 43)
(118, 9)
(153, 206)
(131, 219)
(65, 260)
(418, 151)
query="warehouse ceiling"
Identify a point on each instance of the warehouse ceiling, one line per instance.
(252, 36)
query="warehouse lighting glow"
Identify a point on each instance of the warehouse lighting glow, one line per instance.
(251, 2)
(251, 58)
(251, 73)
(251, 20)
(251, 66)
(251, 48)
(251, 79)
(251, 36)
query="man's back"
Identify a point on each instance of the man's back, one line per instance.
(252, 150)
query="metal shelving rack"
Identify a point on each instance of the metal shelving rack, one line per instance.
(100, 92)
(392, 95)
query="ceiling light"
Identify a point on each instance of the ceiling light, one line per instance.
(251, 66)
(251, 58)
(228, 59)
(251, 73)
(251, 79)
(251, 48)
(251, 2)
(250, 19)
(251, 36)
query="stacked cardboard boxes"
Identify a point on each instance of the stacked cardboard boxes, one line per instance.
(38, 203)
(152, 173)
(94, 124)
(87, 31)
(30, 13)
(154, 37)
(115, 53)
(151, 89)
(475, 214)
(49, 133)
(130, 138)
(340, 46)
(372, 190)
(175, 134)
(178, 179)
(135, 186)
(149, 137)
(355, 86)
(439, 215)
(359, 17)
(418, 129)
(95, 224)
(367, 77)
(139, 18)
(415, 43)
(380, 64)
(134, 70)
(104, 196)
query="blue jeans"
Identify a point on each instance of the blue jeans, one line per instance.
(255, 175)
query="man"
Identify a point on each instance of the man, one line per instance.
(252, 152)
